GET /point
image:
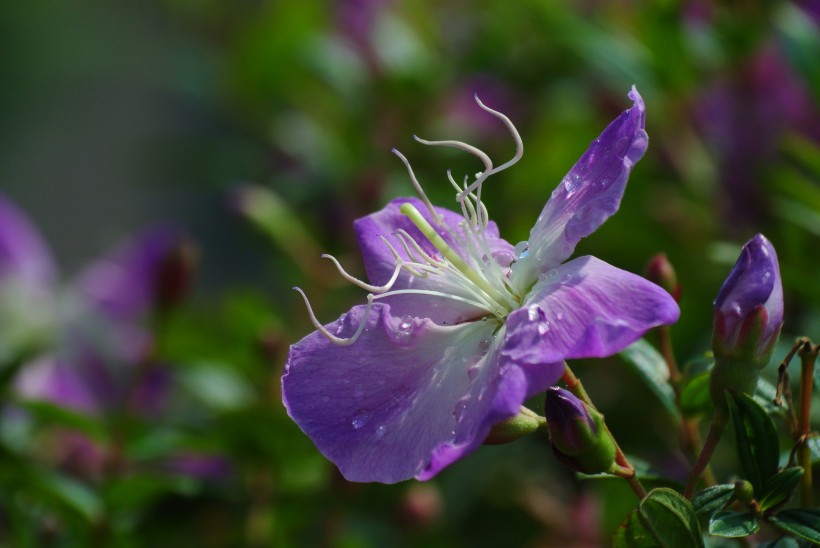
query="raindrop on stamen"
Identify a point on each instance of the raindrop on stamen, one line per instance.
(533, 312)
(360, 419)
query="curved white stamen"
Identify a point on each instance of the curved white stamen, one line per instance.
(364, 285)
(519, 143)
(433, 293)
(330, 336)
(403, 234)
(398, 257)
(480, 154)
(417, 186)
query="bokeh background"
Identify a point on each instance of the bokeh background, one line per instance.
(258, 130)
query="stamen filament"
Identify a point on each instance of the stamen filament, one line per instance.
(438, 242)
(330, 336)
(417, 186)
(364, 285)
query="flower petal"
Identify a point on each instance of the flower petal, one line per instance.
(585, 308)
(23, 253)
(58, 382)
(405, 400)
(379, 261)
(586, 196)
(124, 284)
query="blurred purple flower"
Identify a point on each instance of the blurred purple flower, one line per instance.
(744, 117)
(99, 356)
(470, 326)
(811, 8)
(749, 306)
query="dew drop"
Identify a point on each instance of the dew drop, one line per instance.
(472, 373)
(543, 327)
(621, 146)
(552, 272)
(360, 419)
(572, 182)
(604, 182)
(566, 278)
(484, 345)
(406, 325)
(522, 250)
(381, 430)
(559, 316)
(460, 409)
(533, 312)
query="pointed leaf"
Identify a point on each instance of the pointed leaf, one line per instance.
(632, 534)
(670, 519)
(694, 397)
(781, 487)
(782, 542)
(714, 498)
(731, 524)
(651, 366)
(801, 522)
(757, 443)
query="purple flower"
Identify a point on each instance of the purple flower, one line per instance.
(747, 322)
(97, 356)
(578, 436)
(461, 327)
(749, 306)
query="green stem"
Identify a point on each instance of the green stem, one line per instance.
(719, 421)
(808, 356)
(622, 467)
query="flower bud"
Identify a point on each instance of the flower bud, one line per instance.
(748, 315)
(577, 433)
(660, 271)
(524, 423)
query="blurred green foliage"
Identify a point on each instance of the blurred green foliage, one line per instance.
(113, 114)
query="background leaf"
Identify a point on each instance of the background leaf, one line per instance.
(801, 522)
(670, 519)
(732, 524)
(781, 487)
(650, 365)
(756, 440)
(712, 499)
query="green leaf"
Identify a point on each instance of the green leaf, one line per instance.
(68, 494)
(49, 414)
(730, 524)
(756, 437)
(218, 386)
(714, 498)
(782, 542)
(694, 397)
(632, 534)
(801, 522)
(651, 366)
(781, 487)
(670, 519)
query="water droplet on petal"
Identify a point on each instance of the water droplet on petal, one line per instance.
(472, 372)
(559, 316)
(381, 430)
(484, 345)
(533, 312)
(572, 182)
(566, 278)
(360, 419)
(406, 325)
(543, 327)
(552, 272)
(604, 182)
(522, 250)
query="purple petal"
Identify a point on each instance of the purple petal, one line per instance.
(379, 261)
(405, 400)
(23, 253)
(58, 382)
(754, 280)
(587, 195)
(585, 308)
(124, 284)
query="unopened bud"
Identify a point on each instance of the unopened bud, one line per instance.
(660, 271)
(524, 423)
(748, 316)
(577, 433)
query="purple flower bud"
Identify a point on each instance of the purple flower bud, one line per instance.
(661, 272)
(747, 320)
(577, 433)
(749, 306)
